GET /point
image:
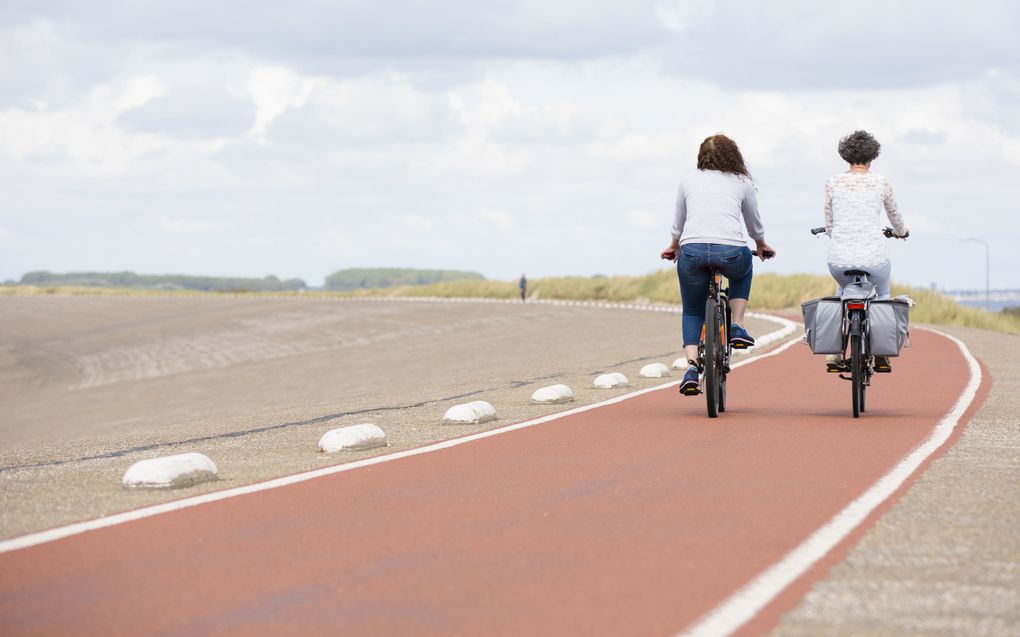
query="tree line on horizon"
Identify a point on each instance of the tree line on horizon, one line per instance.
(127, 279)
(362, 278)
(341, 280)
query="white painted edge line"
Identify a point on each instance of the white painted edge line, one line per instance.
(77, 528)
(743, 605)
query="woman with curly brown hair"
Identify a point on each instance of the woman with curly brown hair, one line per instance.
(707, 233)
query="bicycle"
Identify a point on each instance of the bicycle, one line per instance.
(714, 349)
(856, 330)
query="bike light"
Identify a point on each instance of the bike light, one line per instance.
(855, 306)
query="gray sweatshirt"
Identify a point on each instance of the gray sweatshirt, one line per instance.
(710, 205)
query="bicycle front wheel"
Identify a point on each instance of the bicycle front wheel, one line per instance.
(724, 350)
(713, 357)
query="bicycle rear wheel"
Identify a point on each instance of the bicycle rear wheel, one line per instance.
(864, 381)
(865, 362)
(713, 367)
(856, 366)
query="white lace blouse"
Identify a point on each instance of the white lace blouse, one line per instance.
(854, 203)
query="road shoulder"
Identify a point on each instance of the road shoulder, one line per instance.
(945, 559)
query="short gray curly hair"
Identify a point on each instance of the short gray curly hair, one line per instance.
(859, 147)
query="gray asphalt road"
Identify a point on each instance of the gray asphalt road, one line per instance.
(90, 385)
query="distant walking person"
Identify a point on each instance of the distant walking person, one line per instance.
(854, 203)
(523, 285)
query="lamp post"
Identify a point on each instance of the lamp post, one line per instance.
(988, 268)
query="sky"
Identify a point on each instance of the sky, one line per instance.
(299, 138)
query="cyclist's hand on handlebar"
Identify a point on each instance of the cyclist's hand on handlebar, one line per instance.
(764, 251)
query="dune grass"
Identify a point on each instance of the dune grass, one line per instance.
(769, 292)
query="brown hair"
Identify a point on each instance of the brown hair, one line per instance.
(719, 152)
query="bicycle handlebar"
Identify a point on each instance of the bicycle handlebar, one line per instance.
(888, 232)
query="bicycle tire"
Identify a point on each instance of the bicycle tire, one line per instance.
(725, 349)
(865, 357)
(864, 381)
(712, 357)
(722, 394)
(856, 360)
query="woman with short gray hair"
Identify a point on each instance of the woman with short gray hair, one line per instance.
(854, 203)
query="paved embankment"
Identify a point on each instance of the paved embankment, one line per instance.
(90, 385)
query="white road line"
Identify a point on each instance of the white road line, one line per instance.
(50, 535)
(744, 604)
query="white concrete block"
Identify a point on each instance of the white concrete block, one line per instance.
(654, 370)
(553, 394)
(611, 381)
(681, 363)
(352, 438)
(170, 472)
(472, 413)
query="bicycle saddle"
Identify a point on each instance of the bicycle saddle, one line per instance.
(855, 273)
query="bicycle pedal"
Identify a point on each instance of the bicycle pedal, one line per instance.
(740, 346)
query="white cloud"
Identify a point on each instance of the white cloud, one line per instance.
(804, 44)
(497, 218)
(172, 225)
(382, 108)
(274, 90)
(646, 219)
(682, 15)
(417, 223)
(134, 93)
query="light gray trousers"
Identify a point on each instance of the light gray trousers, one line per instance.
(879, 275)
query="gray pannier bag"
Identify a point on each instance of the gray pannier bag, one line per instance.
(889, 323)
(823, 324)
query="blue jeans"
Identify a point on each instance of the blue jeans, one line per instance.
(734, 262)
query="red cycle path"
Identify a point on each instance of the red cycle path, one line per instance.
(632, 519)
